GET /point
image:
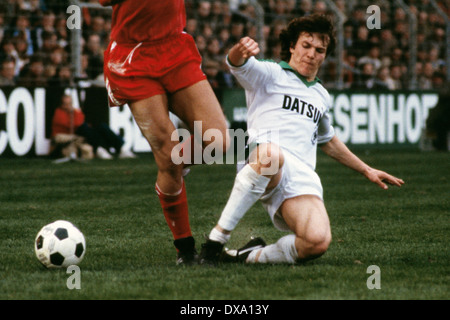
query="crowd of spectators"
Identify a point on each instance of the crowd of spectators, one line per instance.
(35, 41)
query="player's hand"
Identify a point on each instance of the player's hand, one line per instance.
(382, 178)
(248, 47)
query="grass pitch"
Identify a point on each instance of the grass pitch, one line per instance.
(130, 255)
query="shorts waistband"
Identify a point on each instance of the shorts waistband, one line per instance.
(172, 38)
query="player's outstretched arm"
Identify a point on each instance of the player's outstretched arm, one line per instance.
(337, 150)
(109, 2)
(241, 51)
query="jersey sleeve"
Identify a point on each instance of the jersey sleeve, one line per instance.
(325, 131)
(253, 73)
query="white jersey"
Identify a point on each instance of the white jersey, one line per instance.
(284, 108)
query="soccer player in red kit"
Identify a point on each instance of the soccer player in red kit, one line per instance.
(153, 66)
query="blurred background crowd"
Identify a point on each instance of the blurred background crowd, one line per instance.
(35, 41)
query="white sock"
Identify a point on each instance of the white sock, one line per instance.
(218, 236)
(283, 251)
(248, 187)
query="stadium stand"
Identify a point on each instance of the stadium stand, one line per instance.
(34, 36)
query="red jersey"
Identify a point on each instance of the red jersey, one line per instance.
(135, 21)
(62, 122)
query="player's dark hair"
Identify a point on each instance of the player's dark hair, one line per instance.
(311, 24)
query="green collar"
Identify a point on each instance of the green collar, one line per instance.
(286, 66)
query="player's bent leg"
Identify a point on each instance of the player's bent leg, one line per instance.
(307, 217)
(199, 103)
(261, 174)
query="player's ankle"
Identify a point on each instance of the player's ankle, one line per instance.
(219, 236)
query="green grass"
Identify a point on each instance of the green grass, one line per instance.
(130, 255)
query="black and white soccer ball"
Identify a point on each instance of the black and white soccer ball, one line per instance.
(60, 244)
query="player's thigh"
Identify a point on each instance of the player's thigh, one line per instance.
(152, 117)
(199, 103)
(307, 217)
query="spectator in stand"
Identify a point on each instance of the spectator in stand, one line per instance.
(213, 50)
(192, 26)
(224, 38)
(384, 80)
(306, 7)
(57, 56)
(201, 43)
(372, 57)
(21, 49)
(275, 51)
(211, 68)
(401, 33)
(47, 24)
(62, 32)
(320, 7)
(398, 57)
(98, 27)
(203, 12)
(397, 76)
(422, 54)
(279, 10)
(387, 42)
(366, 77)
(435, 60)
(229, 81)
(425, 80)
(29, 20)
(8, 50)
(49, 43)
(7, 72)
(439, 81)
(62, 77)
(216, 17)
(95, 53)
(207, 30)
(32, 75)
(22, 27)
(361, 44)
(348, 36)
(340, 4)
(226, 15)
(237, 29)
(349, 68)
(357, 16)
(70, 120)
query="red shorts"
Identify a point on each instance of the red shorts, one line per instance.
(137, 71)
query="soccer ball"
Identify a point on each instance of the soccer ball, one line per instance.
(60, 244)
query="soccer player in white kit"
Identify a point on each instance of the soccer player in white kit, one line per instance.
(287, 118)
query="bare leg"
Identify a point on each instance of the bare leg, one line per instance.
(307, 217)
(199, 103)
(152, 117)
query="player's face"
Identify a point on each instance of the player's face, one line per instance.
(308, 54)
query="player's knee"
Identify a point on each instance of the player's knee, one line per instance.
(315, 245)
(163, 152)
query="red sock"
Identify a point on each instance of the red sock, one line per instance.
(175, 209)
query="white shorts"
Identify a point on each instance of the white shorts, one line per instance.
(297, 179)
